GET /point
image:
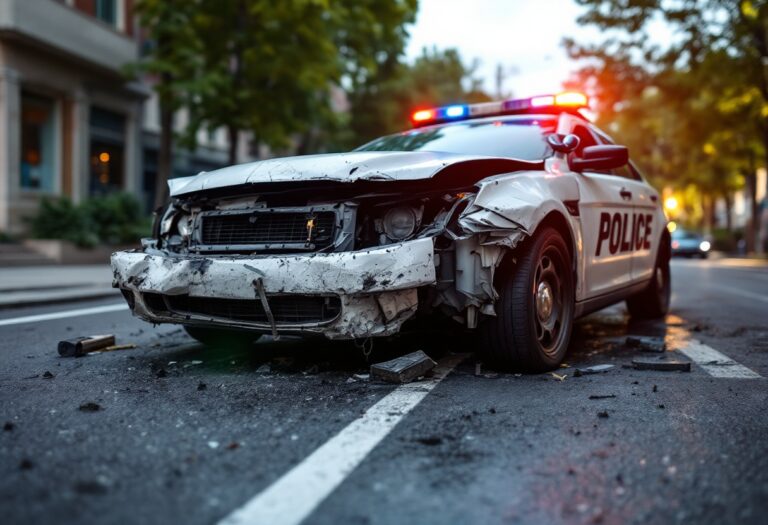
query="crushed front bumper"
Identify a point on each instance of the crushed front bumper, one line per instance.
(375, 289)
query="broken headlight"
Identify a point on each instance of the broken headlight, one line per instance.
(399, 223)
(185, 226)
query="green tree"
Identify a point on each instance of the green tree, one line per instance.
(173, 50)
(263, 66)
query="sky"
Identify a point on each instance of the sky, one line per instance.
(524, 36)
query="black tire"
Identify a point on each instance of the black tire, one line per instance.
(535, 310)
(222, 337)
(653, 302)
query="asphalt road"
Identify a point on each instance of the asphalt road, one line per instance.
(284, 432)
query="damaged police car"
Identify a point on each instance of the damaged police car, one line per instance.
(512, 218)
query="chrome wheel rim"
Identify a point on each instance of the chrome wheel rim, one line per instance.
(549, 302)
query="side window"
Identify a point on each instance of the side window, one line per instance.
(626, 171)
(586, 139)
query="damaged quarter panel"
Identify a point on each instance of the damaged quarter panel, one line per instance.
(509, 208)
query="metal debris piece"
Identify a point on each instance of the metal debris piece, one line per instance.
(602, 396)
(48, 375)
(129, 346)
(663, 365)
(403, 369)
(597, 369)
(90, 407)
(647, 344)
(79, 346)
(558, 376)
(362, 377)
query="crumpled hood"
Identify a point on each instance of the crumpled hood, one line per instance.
(338, 167)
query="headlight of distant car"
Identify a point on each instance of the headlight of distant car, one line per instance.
(704, 246)
(399, 223)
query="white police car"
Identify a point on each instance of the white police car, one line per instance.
(512, 218)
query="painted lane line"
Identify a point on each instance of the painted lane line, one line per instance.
(293, 497)
(64, 314)
(743, 293)
(715, 363)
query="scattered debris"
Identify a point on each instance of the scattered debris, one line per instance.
(661, 406)
(201, 386)
(558, 376)
(79, 346)
(48, 375)
(264, 369)
(597, 369)
(26, 464)
(655, 388)
(663, 365)
(565, 365)
(492, 410)
(213, 444)
(89, 407)
(403, 369)
(362, 377)
(161, 373)
(478, 368)
(602, 396)
(127, 346)
(233, 446)
(602, 414)
(8, 426)
(647, 344)
(430, 441)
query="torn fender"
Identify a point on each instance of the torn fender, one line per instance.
(510, 207)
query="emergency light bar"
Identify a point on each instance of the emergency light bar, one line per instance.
(561, 102)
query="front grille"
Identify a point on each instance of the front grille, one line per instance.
(269, 228)
(286, 309)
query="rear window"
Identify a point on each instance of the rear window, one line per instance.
(518, 138)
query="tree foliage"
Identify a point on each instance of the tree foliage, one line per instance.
(263, 66)
(694, 111)
(384, 103)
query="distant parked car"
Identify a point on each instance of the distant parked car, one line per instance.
(686, 243)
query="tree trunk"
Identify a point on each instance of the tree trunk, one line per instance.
(165, 155)
(234, 136)
(752, 224)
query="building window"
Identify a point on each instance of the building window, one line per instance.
(38, 142)
(108, 11)
(107, 157)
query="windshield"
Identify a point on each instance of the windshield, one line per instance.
(518, 138)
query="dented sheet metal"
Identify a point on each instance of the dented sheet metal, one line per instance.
(338, 167)
(377, 287)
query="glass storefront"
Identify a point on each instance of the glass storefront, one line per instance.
(38, 143)
(107, 146)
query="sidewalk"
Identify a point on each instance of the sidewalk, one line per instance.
(33, 285)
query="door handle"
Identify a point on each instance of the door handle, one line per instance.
(625, 194)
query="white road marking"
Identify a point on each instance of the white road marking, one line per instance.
(63, 315)
(743, 293)
(293, 497)
(715, 363)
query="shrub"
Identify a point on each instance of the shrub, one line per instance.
(113, 219)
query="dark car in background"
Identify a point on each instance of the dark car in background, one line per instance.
(686, 243)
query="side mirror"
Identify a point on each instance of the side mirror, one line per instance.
(601, 158)
(567, 145)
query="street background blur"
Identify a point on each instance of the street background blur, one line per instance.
(101, 101)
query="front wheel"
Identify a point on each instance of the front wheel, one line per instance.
(535, 310)
(222, 337)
